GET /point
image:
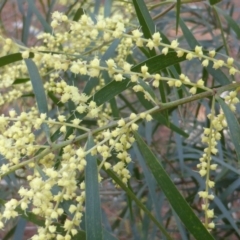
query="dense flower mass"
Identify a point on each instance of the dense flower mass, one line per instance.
(51, 146)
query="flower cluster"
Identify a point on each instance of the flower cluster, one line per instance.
(210, 137)
(50, 186)
(75, 38)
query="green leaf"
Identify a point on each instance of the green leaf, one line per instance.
(97, 5)
(110, 91)
(20, 7)
(233, 126)
(219, 22)
(144, 18)
(107, 8)
(192, 42)
(46, 26)
(181, 207)
(230, 190)
(213, 2)
(55, 99)
(21, 80)
(147, 88)
(93, 216)
(2, 5)
(15, 57)
(150, 181)
(78, 14)
(39, 91)
(227, 214)
(26, 25)
(159, 62)
(28, 95)
(20, 228)
(234, 25)
(80, 235)
(218, 75)
(110, 52)
(114, 108)
(123, 186)
(145, 21)
(37, 85)
(90, 85)
(31, 217)
(50, 9)
(10, 233)
(178, 7)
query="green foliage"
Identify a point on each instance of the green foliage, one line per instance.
(93, 216)
(176, 200)
(233, 126)
(119, 120)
